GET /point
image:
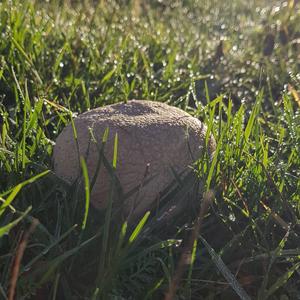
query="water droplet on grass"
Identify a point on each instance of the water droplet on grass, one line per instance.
(232, 217)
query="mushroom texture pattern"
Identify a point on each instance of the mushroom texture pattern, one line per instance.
(154, 140)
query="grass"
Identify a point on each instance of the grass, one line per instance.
(234, 65)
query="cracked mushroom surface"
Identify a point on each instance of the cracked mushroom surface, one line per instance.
(153, 138)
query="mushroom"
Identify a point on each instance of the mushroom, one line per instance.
(154, 141)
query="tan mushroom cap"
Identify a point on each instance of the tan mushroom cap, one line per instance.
(152, 138)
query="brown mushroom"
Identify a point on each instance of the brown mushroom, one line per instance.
(153, 139)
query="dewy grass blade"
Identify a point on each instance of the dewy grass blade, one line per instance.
(158, 246)
(33, 122)
(27, 58)
(253, 116)
(53, 244)
(275, 254)
(60, 55)
(156, 286)
(27, 181)
(21, 50)
(87, 191)
(6, 228)
(56, 262)
(100, 155)
(115, 155)
(55, 287)
(24, 130)
(104, 262)
(281, 280)
(17, 188)
(10, 198)
(191, 266)
(95, 294)
(108, 76)
(2, 291)
(75, 135)
(106, 230)
(225, 271)
(139, 227)
(86, 95)
(214, 163)
(121, 237)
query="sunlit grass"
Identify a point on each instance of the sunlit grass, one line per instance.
(232, 64)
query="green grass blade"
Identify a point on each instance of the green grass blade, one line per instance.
(48, 248)
(121, 237)
(87, 191)
(274, 255)
(17, 188)
(226, 272)
(253, 116)
(281, 280)
(115, 155)
(139, 227)
(10, 198)
(6, 228)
